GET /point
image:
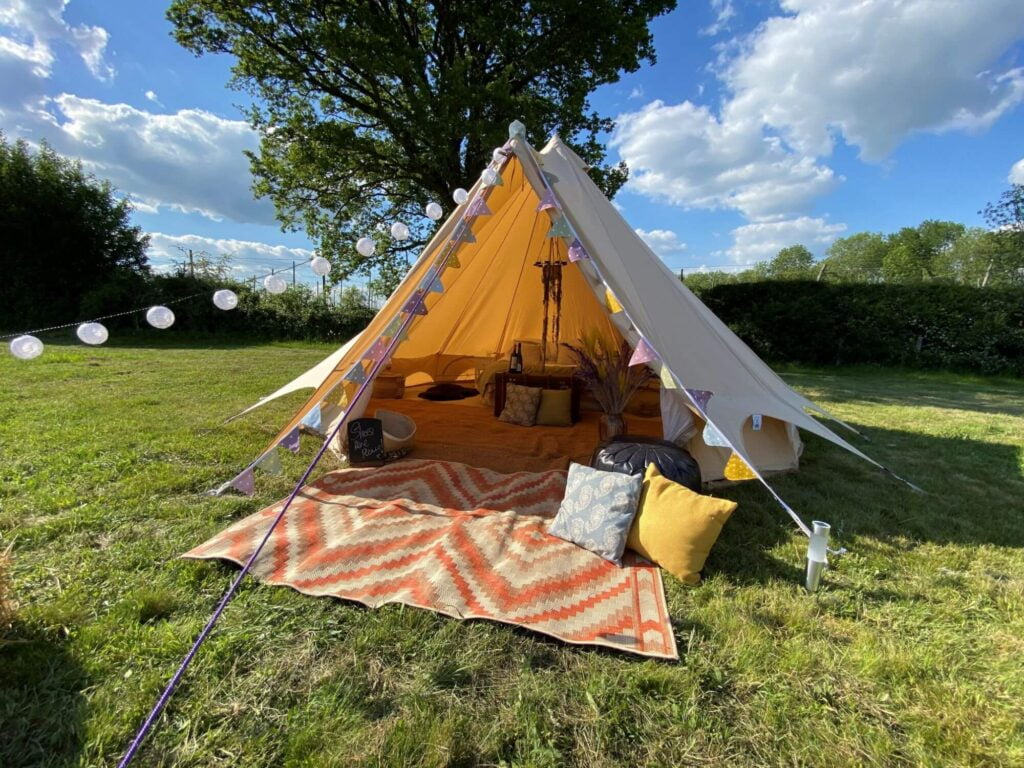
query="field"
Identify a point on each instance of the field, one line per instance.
(912, 653)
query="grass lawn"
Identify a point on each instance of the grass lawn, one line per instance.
(912, 653)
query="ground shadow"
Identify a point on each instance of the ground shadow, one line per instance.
(974, 494)
(42, 708)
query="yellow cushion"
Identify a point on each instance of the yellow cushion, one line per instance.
(555, 408)
(675, 527)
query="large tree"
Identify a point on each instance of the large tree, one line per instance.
(1005, 218)
(63, 235)
(366, 109)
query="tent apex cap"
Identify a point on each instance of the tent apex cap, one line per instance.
(516, 129)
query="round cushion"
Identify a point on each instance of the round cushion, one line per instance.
(631, 455)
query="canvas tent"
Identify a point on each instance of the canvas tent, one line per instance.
(474, 290)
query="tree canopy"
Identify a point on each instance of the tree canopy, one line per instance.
(64, 235)
(366, 110)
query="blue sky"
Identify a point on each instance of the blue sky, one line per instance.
(762, 124)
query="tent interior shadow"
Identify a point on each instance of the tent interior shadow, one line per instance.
(42, 708)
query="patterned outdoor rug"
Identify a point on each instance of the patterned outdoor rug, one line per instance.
(462, 541)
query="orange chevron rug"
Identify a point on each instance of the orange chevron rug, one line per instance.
(462, 541)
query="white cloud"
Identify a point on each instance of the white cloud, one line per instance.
(724, 12)
(250, 257)
(636, 93)
(38, 23)
(663, 242)
(151, 96)
(1017, 173)
(762, 240)
(683, 154)
(875, 71)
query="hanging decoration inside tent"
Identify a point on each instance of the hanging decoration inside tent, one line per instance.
(491, 178)
(321, 267)
(460, 196)
(225, 299)
(478, 207)
(275, 284)
(434, 211)
(577, 252)
(291, 441)
(560, 228)
(365, 246)
(160, 317)
(642, 353)
(26, 347)
(548, 202)
(399, 231)
(92, 333)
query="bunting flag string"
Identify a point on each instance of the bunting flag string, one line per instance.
(701, 397)
(291, 441)
(357, 374)
(560, 228)
(643, 353)
(377, 351)
(478, 207)
(577, 252)
(453, 262)
(415, 306)
(245, 482)
(465, 235)
(713, 437)
(737, 469)
(270, 462)
(548, 203)
(312, 419)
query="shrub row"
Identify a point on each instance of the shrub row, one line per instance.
(954, 327)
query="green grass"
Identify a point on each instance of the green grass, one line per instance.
(912, 654)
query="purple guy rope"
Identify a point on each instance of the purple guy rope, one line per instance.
(168, 691)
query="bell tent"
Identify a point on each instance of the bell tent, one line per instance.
(473, 292)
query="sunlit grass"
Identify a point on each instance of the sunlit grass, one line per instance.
(913, 653)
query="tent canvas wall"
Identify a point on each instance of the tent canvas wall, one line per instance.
(475, 289)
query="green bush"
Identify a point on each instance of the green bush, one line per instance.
(954, 327)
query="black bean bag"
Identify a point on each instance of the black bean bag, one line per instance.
(630, 455)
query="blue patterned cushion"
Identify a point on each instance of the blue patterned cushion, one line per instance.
(598, 510)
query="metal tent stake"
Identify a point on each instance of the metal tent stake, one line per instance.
(817, 554)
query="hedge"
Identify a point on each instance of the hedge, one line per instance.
(953, 327)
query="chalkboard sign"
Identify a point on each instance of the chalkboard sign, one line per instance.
(365, 442)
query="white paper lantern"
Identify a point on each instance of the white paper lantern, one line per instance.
(489, 177)
(320, 266)
(160, 317)
(92, 333)
(460, 196)
(225, 299)
(26, 347)
(498, 155)
(366, 246)
(399, 231)
(275, 284)
(434, 211)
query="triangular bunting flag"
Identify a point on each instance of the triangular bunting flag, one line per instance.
(415, 304)
(291, 441)
(643, 353)
(700, 397)
(713, 437)
(737, 469)
(357, 374)
(245, 482)
(668, 381)
(478, 207)
(436, 286)
(270, 463)
(560, 228)
(377, 351)
(465, 236)
(612, 302)
(312, 419)
(548, 202)
(577, 252)
(453, 262)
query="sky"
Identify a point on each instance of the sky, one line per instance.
(762, 124)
